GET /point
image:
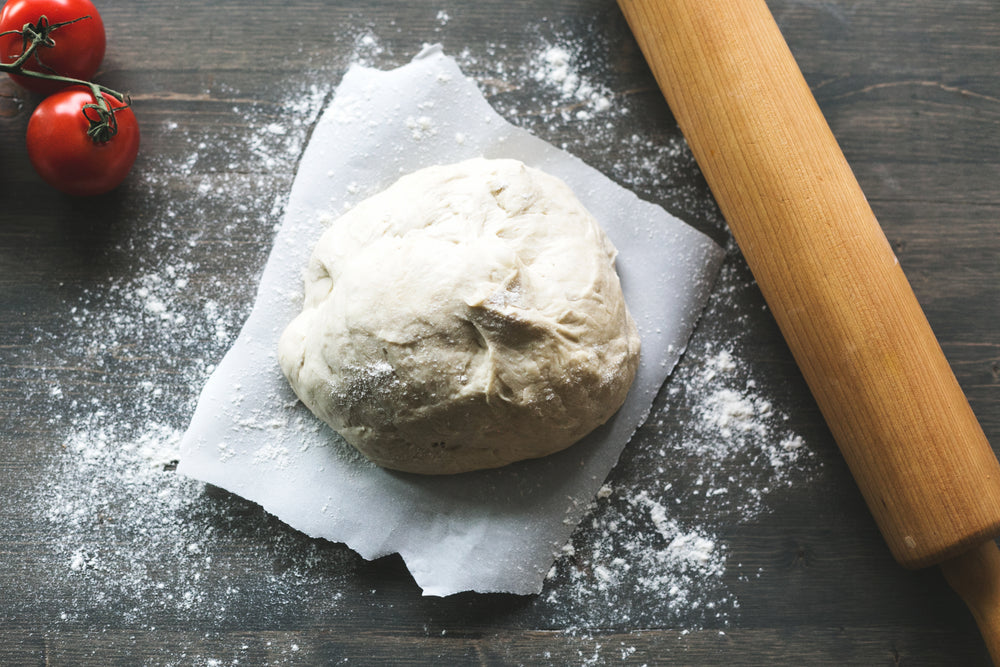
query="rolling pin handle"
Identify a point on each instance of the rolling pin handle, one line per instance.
(975, 576)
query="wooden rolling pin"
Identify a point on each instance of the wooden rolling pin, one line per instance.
(834, 286)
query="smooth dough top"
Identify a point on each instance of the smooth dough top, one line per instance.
(467, 317)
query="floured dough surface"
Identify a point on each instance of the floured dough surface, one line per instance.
(467, 317)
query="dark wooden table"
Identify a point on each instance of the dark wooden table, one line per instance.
(113, 310)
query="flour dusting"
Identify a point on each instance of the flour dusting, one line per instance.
(125, 527)
(650, 552)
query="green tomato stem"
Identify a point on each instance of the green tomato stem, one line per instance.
(103, 125)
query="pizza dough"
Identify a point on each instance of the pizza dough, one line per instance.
(467, 317)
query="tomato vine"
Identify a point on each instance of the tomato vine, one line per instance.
(100, 115)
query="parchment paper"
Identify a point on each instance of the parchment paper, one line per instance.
(492, 531)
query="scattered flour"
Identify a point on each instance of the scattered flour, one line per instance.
(556, 68)
(122, 530)
(650, 552)
(420, 127)
(124, 526)
(557, 72)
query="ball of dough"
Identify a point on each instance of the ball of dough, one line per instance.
(467, 317)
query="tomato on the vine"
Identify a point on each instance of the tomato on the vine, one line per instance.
(69, 159)
(74, 48)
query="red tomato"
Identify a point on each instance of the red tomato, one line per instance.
(66, 157)
(76, 50)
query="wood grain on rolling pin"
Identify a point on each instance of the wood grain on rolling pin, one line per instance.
(827, 271)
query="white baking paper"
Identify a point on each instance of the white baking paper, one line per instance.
(491, 531)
